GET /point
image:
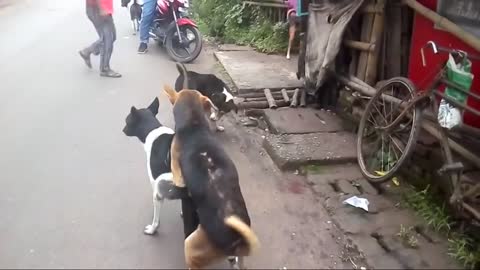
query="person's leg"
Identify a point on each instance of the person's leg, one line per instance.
(148, 12)
(109, 36)
(94, 48)
(291, 31)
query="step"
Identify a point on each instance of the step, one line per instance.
(291, 151)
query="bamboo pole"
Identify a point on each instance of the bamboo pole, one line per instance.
(294, 102)
(259, 105)
(359, 45)
(270, 99)
(303, 98)
(376, 38)
(276, 98)
(285, 95)
(261, 94)
(365, 33)
(444, 23)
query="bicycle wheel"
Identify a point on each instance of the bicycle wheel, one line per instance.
(382, 152)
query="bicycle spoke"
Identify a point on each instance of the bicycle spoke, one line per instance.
(380, 113)
(396, 143)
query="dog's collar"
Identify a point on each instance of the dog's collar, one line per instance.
(154, 134)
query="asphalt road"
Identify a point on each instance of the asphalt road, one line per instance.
(74, 190)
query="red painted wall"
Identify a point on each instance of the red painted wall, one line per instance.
(423, 31)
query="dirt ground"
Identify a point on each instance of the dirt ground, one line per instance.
(301, 221)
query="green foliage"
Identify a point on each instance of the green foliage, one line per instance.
(427, 207)
(231, 21)
(465, 250)
(461, 247)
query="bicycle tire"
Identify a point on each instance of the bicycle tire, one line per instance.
(413, 136)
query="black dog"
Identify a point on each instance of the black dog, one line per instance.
(210, 86)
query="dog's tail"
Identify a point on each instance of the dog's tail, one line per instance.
(183, 71)
(245, 231)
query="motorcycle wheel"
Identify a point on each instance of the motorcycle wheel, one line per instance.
(177, 52)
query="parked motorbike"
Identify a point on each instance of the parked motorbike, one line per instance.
(175, 31)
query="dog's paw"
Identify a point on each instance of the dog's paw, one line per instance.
(213, 117)
(150, 230)
(220, 128)
(234, 262)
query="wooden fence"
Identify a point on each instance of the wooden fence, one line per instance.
(275, 10)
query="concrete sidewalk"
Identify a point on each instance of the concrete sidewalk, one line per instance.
(318, 150)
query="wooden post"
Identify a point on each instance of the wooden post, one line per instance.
(270, 99)
(393, 48)
(285, 95)
(376, 38)
(294, 102)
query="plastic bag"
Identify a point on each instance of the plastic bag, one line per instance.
(448, 115)
(460, 75)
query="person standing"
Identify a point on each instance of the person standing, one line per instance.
(148, 12)
(100, 14)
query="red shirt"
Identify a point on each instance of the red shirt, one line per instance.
(105, 5)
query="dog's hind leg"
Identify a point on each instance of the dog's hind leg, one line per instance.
(215, 116)
(151, 229)
(134, 27)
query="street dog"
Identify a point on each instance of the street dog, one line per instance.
(204, 171)
(135, 15)
(210, 86)
(157, 141)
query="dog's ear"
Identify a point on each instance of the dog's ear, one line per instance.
(171, 94)
(208, 104)
(154, 106)
(133, 110)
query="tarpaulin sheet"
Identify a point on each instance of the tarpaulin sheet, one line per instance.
(327, 21)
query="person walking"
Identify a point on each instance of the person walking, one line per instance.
(100, 14)
(148, 12)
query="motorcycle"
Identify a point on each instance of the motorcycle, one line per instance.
(175, 31)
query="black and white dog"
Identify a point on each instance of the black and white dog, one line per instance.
(157, 140)
(210, 86)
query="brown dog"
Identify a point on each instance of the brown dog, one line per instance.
(201, 165)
